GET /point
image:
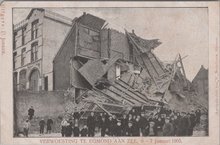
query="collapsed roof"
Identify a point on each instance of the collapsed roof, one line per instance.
(150, 83)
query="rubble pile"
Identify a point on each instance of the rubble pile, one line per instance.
(146, 81)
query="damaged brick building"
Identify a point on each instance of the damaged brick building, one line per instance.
(107, 70)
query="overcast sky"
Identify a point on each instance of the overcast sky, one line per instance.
(181, 30)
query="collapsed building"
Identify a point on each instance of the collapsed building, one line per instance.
(107, 70)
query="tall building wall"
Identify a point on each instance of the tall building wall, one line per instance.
(61, 64)
(54, 33)
(51, 29)
(23, 49)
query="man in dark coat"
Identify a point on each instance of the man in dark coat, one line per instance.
(143, 122)
(137, 126)
(124, 124)
(167, 128)
(110, 126)
(69, 130)
(42, 124)
(118, 129)
(183, 125)
(99, 120)
(103, 126)
(84, 131)
(192, 119)
(91, 125)
(114, 123)
(129, 131)
(49, 125)
(31, 112)
(76, 130)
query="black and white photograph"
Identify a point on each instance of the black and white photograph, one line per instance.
(110, 72)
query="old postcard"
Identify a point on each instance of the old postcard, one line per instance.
(110, 73)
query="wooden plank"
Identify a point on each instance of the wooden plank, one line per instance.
(157, 61)
(180, 59)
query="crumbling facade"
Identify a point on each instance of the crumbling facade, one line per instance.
(36, 41)
(107, 70)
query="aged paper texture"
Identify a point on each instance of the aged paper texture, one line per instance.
(109, 73)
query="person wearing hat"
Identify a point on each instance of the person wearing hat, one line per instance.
(124, 124)
(84, 131)
(103, 126)
(69, 130)
(31, 112)
(136, 126)
(110, 126)
(76, 130)
(168, 128)
(183, 125)
(91, 125)
(118, 128)
(49, 125)
(192, 118)
(151, 130)
(42, 124)
(129, 131)
(143, 123)
(114, 124)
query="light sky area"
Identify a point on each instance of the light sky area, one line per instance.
(181, 30)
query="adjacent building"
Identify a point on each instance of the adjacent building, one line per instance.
(200, 82)
(37, 40)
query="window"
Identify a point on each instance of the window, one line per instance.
(34, 29)
(14, 59)
(34, 52)
(23, 56)
(15, 44)
(23, 35)
(46, 83)
(14, 40)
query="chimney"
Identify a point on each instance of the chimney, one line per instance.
(133, 31)
(84, 13)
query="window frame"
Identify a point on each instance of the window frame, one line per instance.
(34, 51)
(34, 29)
(23, 50)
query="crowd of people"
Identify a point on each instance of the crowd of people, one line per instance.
(160, 122)
(137, 122)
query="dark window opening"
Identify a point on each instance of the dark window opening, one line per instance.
(23, 35)
(46, 83)
(23, 56)
(14, 59)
